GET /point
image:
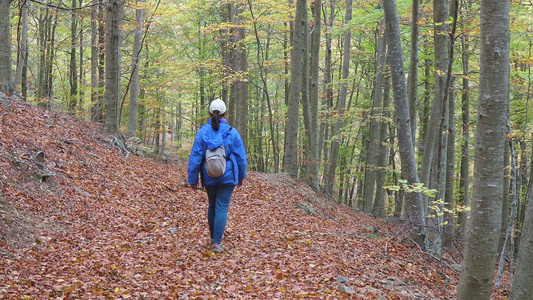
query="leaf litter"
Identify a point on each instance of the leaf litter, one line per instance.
(100, 225)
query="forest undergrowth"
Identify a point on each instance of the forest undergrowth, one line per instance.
(80, 220)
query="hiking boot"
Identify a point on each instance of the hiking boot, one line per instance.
(217, 248)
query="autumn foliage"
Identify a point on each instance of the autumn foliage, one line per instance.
(79, 219)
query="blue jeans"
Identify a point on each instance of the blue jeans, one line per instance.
(217, 213)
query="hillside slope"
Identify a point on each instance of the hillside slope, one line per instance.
(80, 220)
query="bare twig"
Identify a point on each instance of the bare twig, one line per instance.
(65, 8)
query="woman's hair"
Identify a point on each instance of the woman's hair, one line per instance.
(215, 119)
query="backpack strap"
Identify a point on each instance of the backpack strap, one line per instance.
(229, 154)
(225, 137)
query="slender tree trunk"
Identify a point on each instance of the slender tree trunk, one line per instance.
(464, 181)
(7, 83)
(378, 209)
(483, 233)
(327, 90)
(450, 173)
(440, 15)
(372, 152)
(81, 71)
(433, 168)
(112, 86)
(505, 246)
(335, 144)
(22, 53)
(313, 136)
(47, 27)
(134, 85)
(51, 54)
(73, 69)
(505, 194)
(413, 67)
(262, 56)
(98, 100)
(522, 287)
(414, 211)
(426, 108)
(42, 43)
(241, 69)
(290, 159)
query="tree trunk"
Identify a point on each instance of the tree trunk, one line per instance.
(50, 54)
(483, 232)
(440, 15)
(312, 152)
(413, 67)
(426, 108)
(433, 168)
(22, 53)
(97, 62)
(73, 69)
(508, 227)
(81, 71)
(450, 173)
(327, 90)
(290, 159)
(47, 26)
(112, 53)
(134, 84)
(506, 193)
(378, 208)
(372, 152)
(522, 287)
(464, 180)
(414, 211)
(331, 166)
(262, 55)
(7, 84)
(240, 87)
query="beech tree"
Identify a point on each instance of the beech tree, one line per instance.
(7, 85)
(114, 11)
(21, 73)
(331, 166)
(483, 231)
(432, 154)
(311, 110)
(239, 88)
(413, 66)
(413, 206)
(97, 60)
(522, 287)
(290, 159)
(135, 65)
(73, 69)
(372, 152)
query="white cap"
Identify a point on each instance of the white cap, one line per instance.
(219, 105)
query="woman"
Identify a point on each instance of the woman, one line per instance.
(215, 133)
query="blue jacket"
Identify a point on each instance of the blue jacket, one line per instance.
(207, 137)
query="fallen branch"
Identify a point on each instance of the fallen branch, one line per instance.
(169, 188)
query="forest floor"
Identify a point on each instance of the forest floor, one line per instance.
(80, 220)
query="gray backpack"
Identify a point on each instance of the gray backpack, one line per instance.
(215, 160)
